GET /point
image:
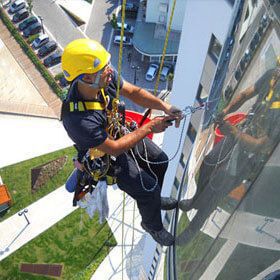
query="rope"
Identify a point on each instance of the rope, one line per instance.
(115, 108)
(165, 46)
(133, 219)
(123, 230)
(186, 112)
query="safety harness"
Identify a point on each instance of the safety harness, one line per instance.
(98, 165)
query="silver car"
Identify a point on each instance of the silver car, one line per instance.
(164, 73)
(16, 6)
(126, 41)
(40, 41)
(127, 27)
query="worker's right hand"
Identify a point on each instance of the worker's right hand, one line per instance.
(159, 124)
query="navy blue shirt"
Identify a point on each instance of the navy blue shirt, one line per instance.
(88, 129)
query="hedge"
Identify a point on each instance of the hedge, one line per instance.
(29, 52)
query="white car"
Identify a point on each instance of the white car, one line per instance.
(16, 6)
(127, 27)
(152, 71)
(40, 41)
(126, 41)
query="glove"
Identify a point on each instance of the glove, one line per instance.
(177, 113)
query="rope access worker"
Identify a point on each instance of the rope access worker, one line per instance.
(86, 64)
(240, 155)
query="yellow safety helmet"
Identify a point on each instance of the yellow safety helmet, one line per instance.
(83, 56)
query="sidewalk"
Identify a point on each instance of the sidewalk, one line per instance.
(51, 108)
(42, 214)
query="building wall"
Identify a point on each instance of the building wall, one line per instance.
(152, 10)
(179, 13)
(199, 25)
(200, 22)
(159, 11)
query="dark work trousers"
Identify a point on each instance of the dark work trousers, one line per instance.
(128, 180)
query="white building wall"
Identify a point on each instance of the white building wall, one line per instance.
(201, 19)
(179, 13)
(155, 11)
(152, 10)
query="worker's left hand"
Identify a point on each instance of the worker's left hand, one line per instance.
(174, 112)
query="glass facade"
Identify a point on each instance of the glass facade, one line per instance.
(228, 225)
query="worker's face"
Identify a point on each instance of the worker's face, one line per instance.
(102, 77)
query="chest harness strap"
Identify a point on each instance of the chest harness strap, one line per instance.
(96, 163)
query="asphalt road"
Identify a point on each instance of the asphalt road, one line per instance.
(56, 22)
(98, 26)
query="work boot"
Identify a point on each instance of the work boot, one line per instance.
(163, 237)
(186, 204)
(168, 203)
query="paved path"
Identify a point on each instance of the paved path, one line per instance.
(52, 110)
(42, 214)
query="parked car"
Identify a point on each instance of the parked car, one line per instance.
(164, 72)
(47, 48)
(27, 23)
(228, 92)
(152, 71)
(127, 27)
(63, 82)
(20, 15)
(16, 6)
(242, 63)
(32, 29)
(126, 41)
(40, 41)
(255, 41)
(53, 59)
(237, 74)
(247, 55)
(131, 10)
(264, 21)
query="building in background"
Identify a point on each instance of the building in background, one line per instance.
(151, 27)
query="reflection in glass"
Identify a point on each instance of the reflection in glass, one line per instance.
(229, 178)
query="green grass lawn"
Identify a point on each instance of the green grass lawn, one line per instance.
(189, 257)
(18, 179)
(77, 242)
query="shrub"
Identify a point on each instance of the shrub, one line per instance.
(58, 76)
(32, 38)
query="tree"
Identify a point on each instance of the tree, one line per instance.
(114, 21)
(30, 5)
(170, 78)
